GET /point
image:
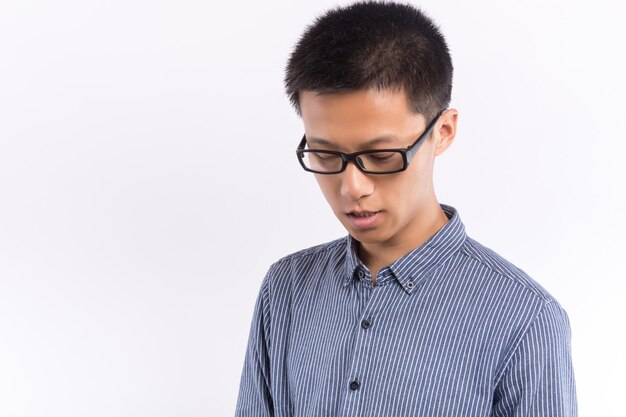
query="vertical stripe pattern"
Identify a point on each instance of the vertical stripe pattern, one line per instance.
(450, 329)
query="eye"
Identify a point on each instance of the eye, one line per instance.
(381, 157)
(323, 156)
(382, 161)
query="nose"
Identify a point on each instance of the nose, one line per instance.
(355, 184)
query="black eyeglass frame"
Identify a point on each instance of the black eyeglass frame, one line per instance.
(407, 153)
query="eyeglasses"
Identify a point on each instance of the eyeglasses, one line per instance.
(375, 161)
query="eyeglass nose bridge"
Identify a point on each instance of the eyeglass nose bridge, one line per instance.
(355, 159)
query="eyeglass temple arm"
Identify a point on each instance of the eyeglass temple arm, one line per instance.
(411, 150)
(302, 142)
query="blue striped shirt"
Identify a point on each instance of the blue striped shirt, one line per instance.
(450, 329)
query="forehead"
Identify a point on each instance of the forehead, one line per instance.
(349, 119)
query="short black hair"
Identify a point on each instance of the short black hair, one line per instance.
(373, 44)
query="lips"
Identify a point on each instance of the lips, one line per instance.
(363, 220)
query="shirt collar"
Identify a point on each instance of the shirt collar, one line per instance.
(416, 265)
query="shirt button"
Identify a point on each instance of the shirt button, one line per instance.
(410, 285)
(355, 385)
(360, 274)
(366, 324)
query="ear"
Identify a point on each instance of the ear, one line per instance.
(446, 129)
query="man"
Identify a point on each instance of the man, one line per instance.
(407, 315)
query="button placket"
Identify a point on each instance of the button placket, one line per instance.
(364, 342)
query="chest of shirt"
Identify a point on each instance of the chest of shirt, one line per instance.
(444, 338)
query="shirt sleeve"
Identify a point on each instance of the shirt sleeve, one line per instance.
(539, 380)
(255, 398)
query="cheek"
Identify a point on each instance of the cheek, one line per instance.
(405, 192)
(419, 173)
(328, 187)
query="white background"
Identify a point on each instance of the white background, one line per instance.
(148, 180)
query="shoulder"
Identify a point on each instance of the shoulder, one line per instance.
(526, 311)
(502, 269)
(301, 264)
(315, 252)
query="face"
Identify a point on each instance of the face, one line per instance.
(387, 209)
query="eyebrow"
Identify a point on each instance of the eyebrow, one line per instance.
(371, 142)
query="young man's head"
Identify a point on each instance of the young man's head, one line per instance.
(374, 76)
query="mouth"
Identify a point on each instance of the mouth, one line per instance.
(362, 214)
(364, 220)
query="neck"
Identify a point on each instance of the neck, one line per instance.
(378, 255)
